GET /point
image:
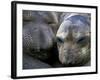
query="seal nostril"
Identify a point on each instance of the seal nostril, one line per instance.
(69, 50)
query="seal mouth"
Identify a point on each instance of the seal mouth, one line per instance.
(67, 58)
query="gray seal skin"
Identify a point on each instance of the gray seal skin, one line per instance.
(33, 63)
(73, 39)
(37, 33)
(38, 37)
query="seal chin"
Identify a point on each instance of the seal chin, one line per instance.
(67, 62)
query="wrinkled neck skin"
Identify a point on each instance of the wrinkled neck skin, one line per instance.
(74, 40)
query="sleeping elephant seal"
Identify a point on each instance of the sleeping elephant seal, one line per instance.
(38, 37)
(73, 39)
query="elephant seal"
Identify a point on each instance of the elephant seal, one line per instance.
(39, 38)
(73, 39)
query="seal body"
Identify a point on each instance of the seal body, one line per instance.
(38, 38)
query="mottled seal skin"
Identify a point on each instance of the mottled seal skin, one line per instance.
(38, 37)
(73, 39)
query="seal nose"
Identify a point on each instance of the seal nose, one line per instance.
(70, 51)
